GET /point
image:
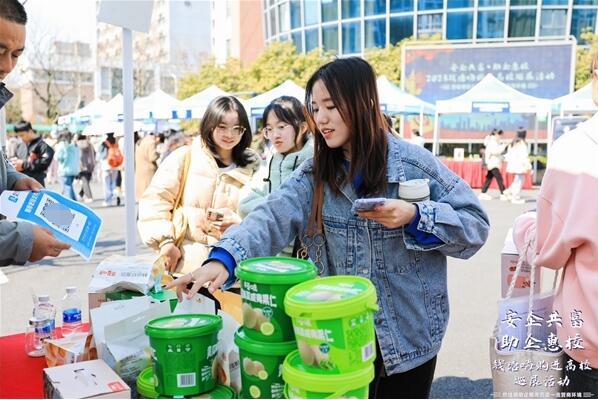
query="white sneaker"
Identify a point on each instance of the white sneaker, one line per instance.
(87, 200)
(484, 196)
(504, 197)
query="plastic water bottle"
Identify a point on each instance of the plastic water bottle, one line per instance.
(71, 312)
(45, 310)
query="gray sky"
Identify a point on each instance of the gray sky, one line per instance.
(67, 20)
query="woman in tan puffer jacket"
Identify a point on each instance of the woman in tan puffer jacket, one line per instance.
(220, 164)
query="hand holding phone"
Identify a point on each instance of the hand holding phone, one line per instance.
(368, 204)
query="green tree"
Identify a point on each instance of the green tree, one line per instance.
(230, 77)
(584, 59)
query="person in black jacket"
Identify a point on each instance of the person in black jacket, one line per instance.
(40, 153)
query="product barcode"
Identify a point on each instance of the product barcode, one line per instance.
(185, 380)
(367, 351)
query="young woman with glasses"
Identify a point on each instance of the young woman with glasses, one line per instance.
(285, 127)
(220, 163)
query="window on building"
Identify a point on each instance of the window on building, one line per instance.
(295, 14)
(459, 3)
(523, 3)
(311, 39)
(582, 20)
(429, 24)
(400, 28)
(351, 38)
(375, 33)
(553, 22)
(273, 27)
(310, 12)
(585, 2)
(429, 4)
(351, 8)
(491, 24)
(296, 36)
(329, 10)
(330, 38)
(522, 23)
(459, 25)
(555, 2)
(283, 18)
(491, 3)
(374, 7)
(401, 5)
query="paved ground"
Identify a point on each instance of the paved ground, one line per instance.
(463, 363)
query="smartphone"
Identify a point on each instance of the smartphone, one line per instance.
(368, 204)
(214, 215)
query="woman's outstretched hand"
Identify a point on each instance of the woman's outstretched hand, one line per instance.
(214, 273)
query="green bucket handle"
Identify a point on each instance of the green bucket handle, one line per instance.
(335, 395)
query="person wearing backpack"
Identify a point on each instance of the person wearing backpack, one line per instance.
(111, 159)
(69, 158)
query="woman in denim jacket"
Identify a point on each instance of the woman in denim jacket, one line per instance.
(401, 247)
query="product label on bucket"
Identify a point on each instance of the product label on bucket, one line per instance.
(324, 292)
(262, 378)
(337, 345)
(263, 312)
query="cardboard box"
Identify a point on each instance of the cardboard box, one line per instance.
(84, 380)
(508, 263)
(68, 350)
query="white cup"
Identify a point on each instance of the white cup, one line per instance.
(415, 190)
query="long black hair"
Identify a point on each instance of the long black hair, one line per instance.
(214, 115)
(351, 83)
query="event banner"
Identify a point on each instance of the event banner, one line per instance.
(440, 72)
(71, 222)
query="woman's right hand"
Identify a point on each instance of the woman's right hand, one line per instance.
(214, 273)
(172, 255)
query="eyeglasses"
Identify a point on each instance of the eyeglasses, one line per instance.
(236, 130)
(269, 131)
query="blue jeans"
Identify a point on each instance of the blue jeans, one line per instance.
(67, 187)
(109, 184)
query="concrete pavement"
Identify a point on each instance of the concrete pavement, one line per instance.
(462, 371)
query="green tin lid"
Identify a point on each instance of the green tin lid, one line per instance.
(276, 270)
(147, 388)
(266, 348)
(330, 297)
(163, 295)
(315, 379)
(184, 325)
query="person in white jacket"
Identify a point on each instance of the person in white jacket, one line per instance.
(493, 159)
(518, 163)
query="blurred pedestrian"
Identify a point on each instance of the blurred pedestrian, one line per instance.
(39, 156)
(111, 159)
(88, 162)
(69, 163)
(493, 152)
(146, 162)
(518, 164)
(15, 147)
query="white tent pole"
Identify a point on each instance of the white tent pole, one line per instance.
(436, 133)
(536, 147)
(128, 137)
(549, 133)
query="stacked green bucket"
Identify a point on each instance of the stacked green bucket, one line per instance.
(267, 335)
(184, 349)
(333, 320)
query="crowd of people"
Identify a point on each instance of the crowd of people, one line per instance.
(211, 204)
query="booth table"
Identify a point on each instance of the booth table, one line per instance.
(471, 172)
(21, 376)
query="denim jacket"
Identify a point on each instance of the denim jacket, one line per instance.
(410, 279)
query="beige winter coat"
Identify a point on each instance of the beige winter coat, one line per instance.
(146, 156)
(206, 187)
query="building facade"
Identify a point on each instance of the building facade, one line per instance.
(349, 27)
(237, 30)
(178, 43)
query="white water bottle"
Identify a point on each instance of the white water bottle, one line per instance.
(45, 310)
(71, 312)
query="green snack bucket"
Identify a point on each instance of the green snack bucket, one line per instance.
(305, 382)
(261, 366)
(333, 319)
(184, 348)
(264, 282)
(146, 388)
